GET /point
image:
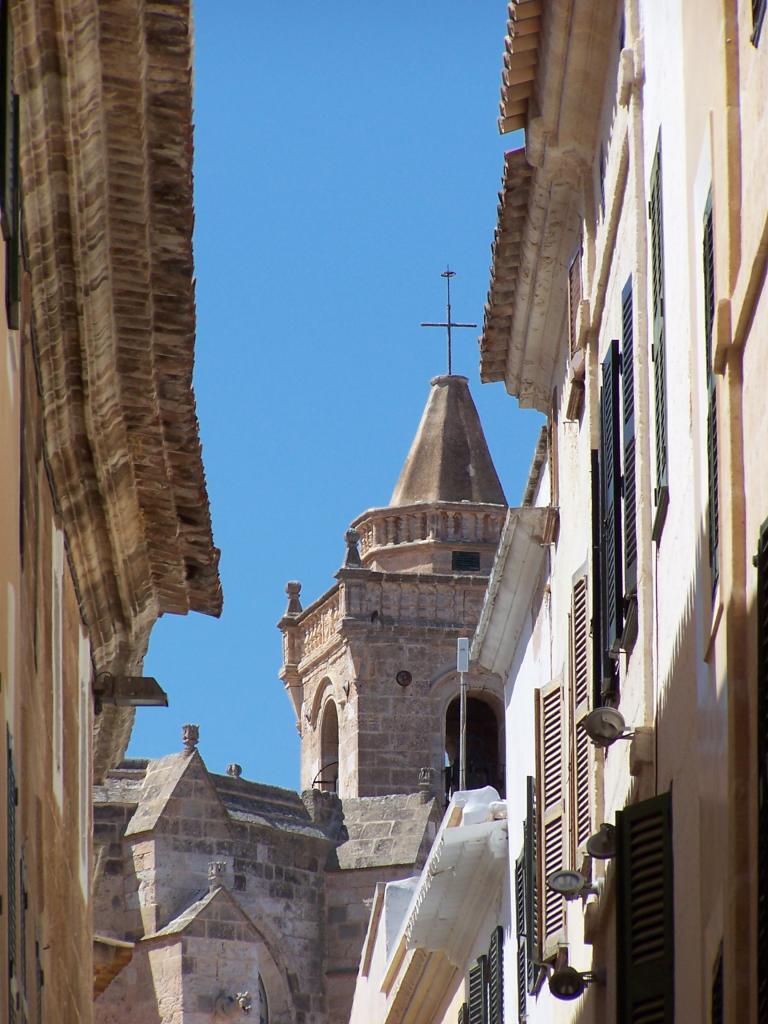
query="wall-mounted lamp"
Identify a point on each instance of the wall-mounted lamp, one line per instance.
(571, 884)
(602, 845)
(127, 692)
(564, 981)
(606, 725)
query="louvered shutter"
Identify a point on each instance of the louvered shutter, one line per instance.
(530, 849)
(574, 297)
(522, 939)
(628, 422)
(579, 693)
(645, 931)
(478, 992)
(496, 977)
(658, 351)
(9, 125)
(551, 810)
(598, 648)
(761, 561)
(610, 472)
(713, 512)
(464, 1014)
(758, 14)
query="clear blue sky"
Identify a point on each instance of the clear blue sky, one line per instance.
(344, 153)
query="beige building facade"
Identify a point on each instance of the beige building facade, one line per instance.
(104, 513)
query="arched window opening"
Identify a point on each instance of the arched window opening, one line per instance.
(484, 767)
(327, 778)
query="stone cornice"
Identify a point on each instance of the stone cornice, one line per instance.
(107, 203)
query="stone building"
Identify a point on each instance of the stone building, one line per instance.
(104, 520)
(370, 670)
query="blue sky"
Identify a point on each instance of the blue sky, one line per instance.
(345, 153)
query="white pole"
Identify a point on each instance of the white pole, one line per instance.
(462, 664)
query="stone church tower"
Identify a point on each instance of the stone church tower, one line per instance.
(214, 893)
(370, 665)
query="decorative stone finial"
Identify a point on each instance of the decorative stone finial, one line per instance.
(216, 870)
(352, 558)
(293, 589)
(426, 776)
(190, 737)
(235, 770)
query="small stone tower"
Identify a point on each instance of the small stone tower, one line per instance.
(370, 665)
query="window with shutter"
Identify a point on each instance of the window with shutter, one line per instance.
(551, 810)
(496, 977)
(661, 494)
(645, 929)
(628, 425)
(522, 939)
(610, 473)
(713, 511)
(761, 561)
(574, 297)
(598, 657)
(478, 993)
(579, 694)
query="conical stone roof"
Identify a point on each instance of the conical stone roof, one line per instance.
(449, 458)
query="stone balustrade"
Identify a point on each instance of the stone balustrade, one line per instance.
(441, 522)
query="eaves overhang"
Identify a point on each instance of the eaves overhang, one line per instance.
(521, 58)
(515, 573)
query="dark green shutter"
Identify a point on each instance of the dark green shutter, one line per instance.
(597, 583)
(762, 770)
(658, 351)
(758, 14)
(610, 472)
(713, 513)
(478, 992)
(628, 420)
(531, 891)
(496, 977)
(464, 1014)
(522, 958)
(645, 928)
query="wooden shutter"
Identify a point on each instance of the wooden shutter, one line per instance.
(574, 296)
(645, 930)
(761, 561)
(758, 14)
(579, 694)
(610, 472)
(522, 938)
(628, 423)
(464, 1014)
(713, 512)
(551, 810)
(9, 160)
(496, 977)
(478, 992)
(530, 838)
(658, 351)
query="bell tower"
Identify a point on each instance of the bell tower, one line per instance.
(370, 665)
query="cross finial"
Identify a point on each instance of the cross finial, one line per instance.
(448, 274)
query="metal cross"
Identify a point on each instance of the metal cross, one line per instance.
(448, 274)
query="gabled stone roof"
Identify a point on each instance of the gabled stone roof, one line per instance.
(171, 785)
(449, 459)
(229, 910)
